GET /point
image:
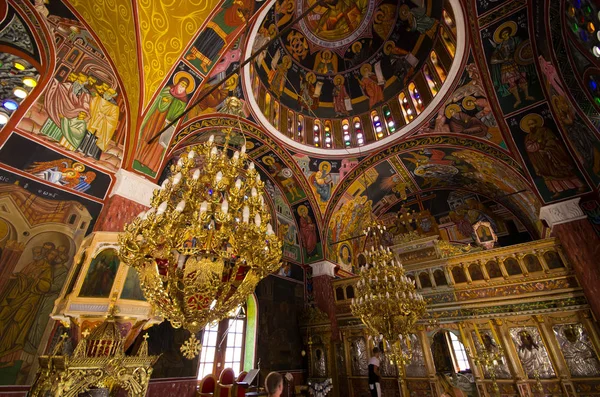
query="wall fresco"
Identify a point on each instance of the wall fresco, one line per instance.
(308, 231)
(82, 110)
(53, 167)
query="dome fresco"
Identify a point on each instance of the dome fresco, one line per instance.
(350, 58)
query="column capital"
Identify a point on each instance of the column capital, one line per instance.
(323, 268)
(563, 212)
(133, 187)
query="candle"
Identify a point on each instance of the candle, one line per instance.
(238, 184)
(246, 214)
(203, 207)
(257, 220)
(180, 206)
(196, 174)
(225, 206)
(191, 154)
(236, 155)
(177, 178)
(269, 229)
(250, 166)
(211, 139)
(243, 150)
(218, 177)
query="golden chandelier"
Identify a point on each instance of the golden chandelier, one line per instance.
(206, 241)
(386, 300)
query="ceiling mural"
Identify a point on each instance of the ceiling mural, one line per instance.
(468, 111)
(82, 109)
(512, 132)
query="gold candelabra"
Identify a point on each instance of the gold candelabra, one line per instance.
(206, 241)
(387, 302)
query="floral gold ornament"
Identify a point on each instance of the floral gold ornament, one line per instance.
(386, 300)
(206, 241)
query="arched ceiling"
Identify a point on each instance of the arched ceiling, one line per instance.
(513, 124)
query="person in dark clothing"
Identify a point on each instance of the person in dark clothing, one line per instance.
(374, 364)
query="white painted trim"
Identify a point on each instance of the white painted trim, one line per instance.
(563, 212)
(133, 187)
(453, 75)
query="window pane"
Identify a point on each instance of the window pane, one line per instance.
(237, 353)
(212, 339)
(229, 355)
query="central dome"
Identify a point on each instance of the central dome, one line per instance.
(350, 72)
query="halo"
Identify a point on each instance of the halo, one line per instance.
(268, 160)
(78, 165)
(301, 209)
(367, 66)
(356, 47)
(452, 107)
(181, 74)
(512, 25)
(388, 47)
(468, 103)
(531, 116)
(324, 163)
(311, 78)
(339, 78)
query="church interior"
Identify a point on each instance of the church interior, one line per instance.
(197, 193)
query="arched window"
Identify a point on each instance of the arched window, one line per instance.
(406, 109)
(317, 133)
(230, 343)
(389, 120)
(276, 115)
(553, 260)
(290, 124)
(438, 66)
(328, 139)
(300, 129)
(358, 131)
(433, 85)
(267, 107)
(448, 43)
(377, 124)
(425, 280)
(416, 97)
(346, 132)
(458, 274)
(339, 294)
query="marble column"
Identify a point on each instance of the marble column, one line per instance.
(580, 244)
(130, 195)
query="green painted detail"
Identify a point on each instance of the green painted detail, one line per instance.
(250, 343)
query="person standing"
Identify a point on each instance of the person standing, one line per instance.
(374, 375)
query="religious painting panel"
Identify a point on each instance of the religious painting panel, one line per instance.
(101, 274)
(549, 162)
(291, 271)
(323, 176)
(468, 111)
(82, 109)
(416, 367)
(282, 174)
(359, 356)
(287, 232)
(53, 167)
(310, 238)
(532, 352)
(219, 33)
(511, 62)
(486, 341)
(40, 228)
(347, 222)
(131, 287)
(169, 104)
(343, 59)
(578, 350)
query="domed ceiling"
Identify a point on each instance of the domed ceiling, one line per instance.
(349, 72)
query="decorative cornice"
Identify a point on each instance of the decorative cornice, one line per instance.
(133, 187)
(563, 212)
(323, 268)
